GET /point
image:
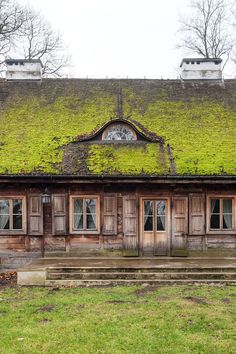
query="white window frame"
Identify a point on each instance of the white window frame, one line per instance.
(208, 214)
(71, 216)
(23, 230)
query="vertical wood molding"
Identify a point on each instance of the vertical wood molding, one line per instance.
(130, 225)
(35, 215)
(59, 214)
(109, 220)
(197, 214)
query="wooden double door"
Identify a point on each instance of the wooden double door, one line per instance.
(155, 226)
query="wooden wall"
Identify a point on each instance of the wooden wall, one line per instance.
(122, 228)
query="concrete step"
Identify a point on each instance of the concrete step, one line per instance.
(79, 270)
(140, 276)
(103, 282)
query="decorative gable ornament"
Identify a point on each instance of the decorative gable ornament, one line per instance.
(119, 132)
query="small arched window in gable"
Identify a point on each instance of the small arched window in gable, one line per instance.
(121, 132)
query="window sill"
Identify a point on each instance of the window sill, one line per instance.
(221, 232)
(85, 232)
(12, 232)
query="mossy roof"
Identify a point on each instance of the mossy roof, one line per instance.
(42, 126)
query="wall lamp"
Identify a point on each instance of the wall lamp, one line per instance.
(46, 197)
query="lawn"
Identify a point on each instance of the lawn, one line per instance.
(171, 319)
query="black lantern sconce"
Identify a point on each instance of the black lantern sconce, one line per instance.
(46, 197)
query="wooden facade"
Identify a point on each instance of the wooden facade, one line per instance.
(119, 218)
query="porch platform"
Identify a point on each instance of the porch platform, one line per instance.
(115, 271)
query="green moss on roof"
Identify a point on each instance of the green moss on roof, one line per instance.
(40, 124)
(33, 129)
(127, 160)
(202, 135)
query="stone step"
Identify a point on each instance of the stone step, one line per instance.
(17, 260)
(102, 282)
(79, 270)
(139, 276)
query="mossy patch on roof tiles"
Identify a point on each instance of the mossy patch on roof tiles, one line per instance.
(33, 129)
(202, 135)
(123, 159)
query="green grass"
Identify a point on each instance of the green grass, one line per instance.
(86, 321)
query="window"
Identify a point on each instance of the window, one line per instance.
(157, 208)
(148, 215)
(161, 215)
(119, 132)
(85, 214)
(221, 213)
(12, 214)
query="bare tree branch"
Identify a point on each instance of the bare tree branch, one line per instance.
(208, 30)
(37, 40)
(12, 17)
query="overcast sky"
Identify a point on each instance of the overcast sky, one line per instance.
(118, 38)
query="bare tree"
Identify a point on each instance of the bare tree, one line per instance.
(37, 40)
(12, 17)
(207, 30)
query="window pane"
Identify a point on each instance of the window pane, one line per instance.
(17, 206)
(161, 207)
(17, 222)
(4, 206)
(90, 206)
(119, 132)
(4, 222)
(227, 206)
(227, 221)
(215, 221)
(78, 206)
(215, 206)
(148, 208)
(148, 223)
(91, 221)
(161, 223)
(78, 221)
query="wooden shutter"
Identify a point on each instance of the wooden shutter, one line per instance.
(180, 216)
(130, 225)
(110, 214)
(59, 216)
(196, 214)
(179, 226)
(35, 215)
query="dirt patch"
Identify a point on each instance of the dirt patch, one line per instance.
(162, 298)
(81, 306)
(125, 302)
(196, 300)
(55, 289)
(8, 279)
(47, 308)
(146, 290)
(226, 301)
(45, 320)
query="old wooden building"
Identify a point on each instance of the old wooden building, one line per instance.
(125, 167)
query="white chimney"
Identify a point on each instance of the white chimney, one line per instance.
(201, 69)
(23, 69)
